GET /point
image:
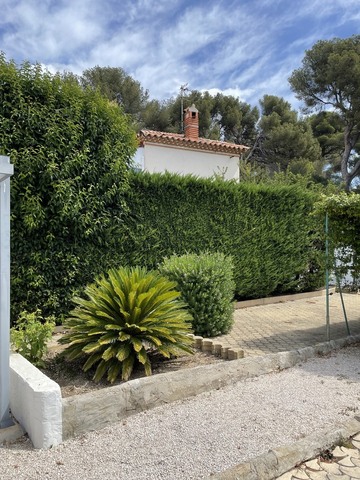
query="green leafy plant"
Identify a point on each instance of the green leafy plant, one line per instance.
(343, 211)
(207, 286)
(72, 150)
(30, 335)
(127, 315)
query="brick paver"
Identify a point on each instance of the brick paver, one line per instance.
(291, 325)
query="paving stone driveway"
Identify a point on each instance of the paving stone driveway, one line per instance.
(292, 324)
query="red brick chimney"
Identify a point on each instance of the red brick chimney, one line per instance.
(191, 123)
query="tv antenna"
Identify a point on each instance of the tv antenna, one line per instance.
(183, 88)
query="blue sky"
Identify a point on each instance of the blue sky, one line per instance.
(245, 48)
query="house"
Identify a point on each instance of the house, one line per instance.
(188, 153)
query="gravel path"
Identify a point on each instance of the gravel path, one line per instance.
(193, 438)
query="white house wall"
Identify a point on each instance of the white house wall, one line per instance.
(161, 158)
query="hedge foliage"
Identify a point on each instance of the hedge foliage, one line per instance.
(71, 151)
(206, 284)
(276, 246)
(343, 210)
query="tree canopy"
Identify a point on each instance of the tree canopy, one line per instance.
(330, 79)
(116, 85)
(325, 144)
(284, 141)
(221, 117)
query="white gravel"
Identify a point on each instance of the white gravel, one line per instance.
(193, 438)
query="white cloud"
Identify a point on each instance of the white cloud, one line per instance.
(248, 48)
(236, 92)
(40, 31)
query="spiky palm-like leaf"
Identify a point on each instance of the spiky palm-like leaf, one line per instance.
(127, 314)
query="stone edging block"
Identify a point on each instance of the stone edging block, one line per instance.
(278, 461)
(282, 298)
(216, 348)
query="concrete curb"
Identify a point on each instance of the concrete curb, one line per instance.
(278, 461)
(282, 298)
(35, 402)
(95, 410)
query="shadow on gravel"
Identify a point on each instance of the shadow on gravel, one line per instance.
(343, 364)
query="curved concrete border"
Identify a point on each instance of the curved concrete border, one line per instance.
(280, 460)
(36, 402)
(95, 410)
(282, 298)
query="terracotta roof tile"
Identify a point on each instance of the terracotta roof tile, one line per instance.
(179, 140)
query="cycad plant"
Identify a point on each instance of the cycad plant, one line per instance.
(127, 315)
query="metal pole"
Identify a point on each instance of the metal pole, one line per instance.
(182, 113)
(342, 303)
(5, 418)
(182, 90)
(327, 277)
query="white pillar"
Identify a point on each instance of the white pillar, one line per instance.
(5, 171)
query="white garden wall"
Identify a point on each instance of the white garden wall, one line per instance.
(35, 402)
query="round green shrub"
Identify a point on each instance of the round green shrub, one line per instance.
(207, 286)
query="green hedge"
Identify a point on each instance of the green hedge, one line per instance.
(276, 246)
(206, 284)
(71, 151)
(343, 211)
